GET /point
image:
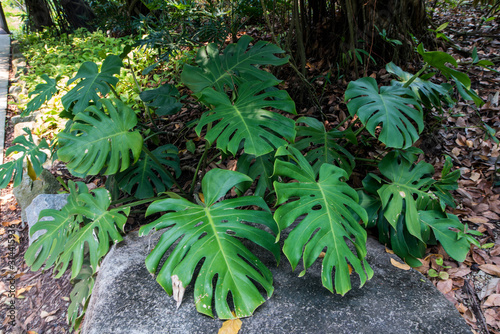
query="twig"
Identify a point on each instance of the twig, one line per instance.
(476, 307)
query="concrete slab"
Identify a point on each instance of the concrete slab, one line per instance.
(4, 86)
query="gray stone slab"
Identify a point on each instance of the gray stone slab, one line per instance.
(127, 299)
(29, 190)
(42, 202)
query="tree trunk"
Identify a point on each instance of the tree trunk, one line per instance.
(77, 13)
(341, 28)
(38, 15)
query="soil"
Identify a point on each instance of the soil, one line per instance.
(472, 286)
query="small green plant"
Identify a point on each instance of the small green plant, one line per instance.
(300, 166)
(443, 275)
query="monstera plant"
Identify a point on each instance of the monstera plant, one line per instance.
(301, 166)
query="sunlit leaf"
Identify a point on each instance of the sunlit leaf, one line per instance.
(209, 234)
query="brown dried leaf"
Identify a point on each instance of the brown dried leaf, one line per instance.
(458, 272)
(231, 326)
(491, 269)
(477, 220)
(45, 314)
(445, 286)
(491, 215)
(492, 317)
(495, 250)
(400, 265)
(492, 300)
(178, 290)
(493, 287)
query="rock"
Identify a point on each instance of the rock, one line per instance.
(15, 90)
(28, 189)
(18, 119)
(42, 202)
(18, 128)
(18, 55)
(127, 299)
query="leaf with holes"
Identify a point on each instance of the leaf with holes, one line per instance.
(93, 82)
(237, 64)
(327, 204)
(58, 226)
(429, 93)
(31, 151)
(102, 227)
(407, 187)
(210, 234)
(164, 99)
(438, 59)
(80, 296)
(393, 109)
(322, 145)
(147, 175)
(246, 121)
(43, 92)
(99, 141)
(448, 182)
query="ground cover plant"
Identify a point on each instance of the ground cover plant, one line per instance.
(303, 171)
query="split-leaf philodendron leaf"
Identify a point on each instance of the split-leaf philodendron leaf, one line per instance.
(164, 99)
(85, 219)
(394, 109)
(327, 204)
(246, 120)
(147, 175)
(92, 83)
(31, 151)
(237, 64)
(209, 234)
(407, 187)
(101, 140)
(43, 92)
(322, 144)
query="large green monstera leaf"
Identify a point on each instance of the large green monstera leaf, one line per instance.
(85, 219)
(404, 192)
(439, 59)
(57, 224)
(98, 141)
(93, 82)
(237, 64)
(164, 99)
(209, 233)
(43, 92)
(246, 120)
(429, 93)
(322, 144)
(102, 227)
(149, 177)
(327, 204)
(31, 151)
(394, 109)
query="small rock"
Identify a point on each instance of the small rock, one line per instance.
(15, 90)
(28, 189)
(42, 202)
(18, 119)
(18, 128)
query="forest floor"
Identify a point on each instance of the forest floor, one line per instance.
(462, 133)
